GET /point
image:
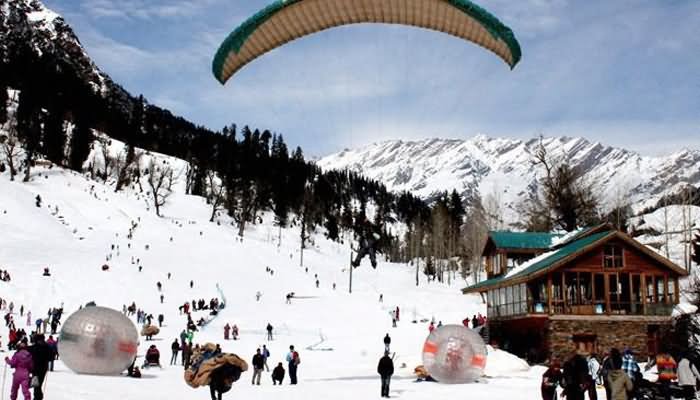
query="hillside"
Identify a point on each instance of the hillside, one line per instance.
(503, 168)
(79, 221)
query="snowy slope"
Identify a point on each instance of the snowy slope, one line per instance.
(79, 220)
(503, 168)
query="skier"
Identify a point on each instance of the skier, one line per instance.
(266, 355)
(175, 347)
(227, 330)
(22, 363)
(269, 331)
(278, 374)
(387, 342)
(258, 364)
(385, 370)
(293, 363)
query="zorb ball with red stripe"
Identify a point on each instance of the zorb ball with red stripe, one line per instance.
(98, 341)
(454, 354)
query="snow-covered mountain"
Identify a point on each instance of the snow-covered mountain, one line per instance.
(29, 23)
(504, 168)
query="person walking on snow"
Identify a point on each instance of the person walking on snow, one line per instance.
(293, 363)
(266, 355)
(387, 342)
(431, 327)
(269, 331)
(385, 369)
(258, 364)
(227, 330)
(397, 314)
(22, 363)
(29, 318)
(42, 355)
(175, 347)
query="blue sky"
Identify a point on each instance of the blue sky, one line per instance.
(626, 73)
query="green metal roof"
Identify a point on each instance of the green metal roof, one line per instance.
(523, 240)
(545, 263)
(235, 41)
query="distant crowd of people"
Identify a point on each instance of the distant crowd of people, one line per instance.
(620, 375)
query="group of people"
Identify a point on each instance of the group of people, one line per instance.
(619, 374)
(230, 331)
(476, 321)
(4, 276)
(31, 364)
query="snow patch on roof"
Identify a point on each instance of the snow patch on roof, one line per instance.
(530, 263)
(556, 241)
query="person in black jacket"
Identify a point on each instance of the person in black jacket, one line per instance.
(576, 378)
(258, 364)
(385, 370)
(278, 374)
(42, 354)
(175, 347)
(387, 342)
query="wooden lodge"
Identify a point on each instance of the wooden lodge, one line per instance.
(590, 290)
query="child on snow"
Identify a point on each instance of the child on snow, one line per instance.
(22, 363)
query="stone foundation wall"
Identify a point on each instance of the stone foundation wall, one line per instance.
(608, 334)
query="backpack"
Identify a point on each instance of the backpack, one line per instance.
(295, 358)
(266, 353)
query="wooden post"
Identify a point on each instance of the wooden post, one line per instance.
(351, 268)
(676, 291)
(549, 293)
(607, 293)
(643, 280)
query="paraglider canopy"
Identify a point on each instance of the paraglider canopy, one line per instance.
(287, 20)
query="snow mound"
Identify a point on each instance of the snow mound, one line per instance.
(503, 363)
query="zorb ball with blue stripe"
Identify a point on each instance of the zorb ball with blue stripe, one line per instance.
(98, 341)
(454, 354)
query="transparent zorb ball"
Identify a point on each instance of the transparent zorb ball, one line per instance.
(454, 354)
(98, 341)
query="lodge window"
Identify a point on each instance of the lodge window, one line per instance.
(612, 256)
(660, 292)
(599, 293)
(496, 263)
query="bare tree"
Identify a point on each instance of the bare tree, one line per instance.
(565, 192)
(215, 194)
(11, 148)
(160, 180)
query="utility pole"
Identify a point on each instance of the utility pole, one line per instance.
(351, 268)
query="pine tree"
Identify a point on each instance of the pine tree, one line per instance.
(55, 137)
(29, 127)
(3, 99)
(80, 144)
